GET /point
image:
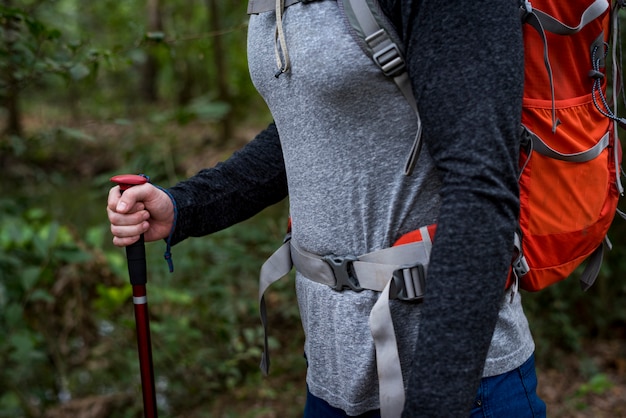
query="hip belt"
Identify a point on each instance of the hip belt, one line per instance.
(397, 272)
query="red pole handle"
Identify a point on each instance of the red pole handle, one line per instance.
(136, 257)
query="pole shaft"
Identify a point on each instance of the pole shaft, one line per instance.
(142, 322)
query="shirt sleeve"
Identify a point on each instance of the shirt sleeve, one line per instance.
(466, 68)
(252, 179)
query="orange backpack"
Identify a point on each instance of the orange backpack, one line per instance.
(571, 155)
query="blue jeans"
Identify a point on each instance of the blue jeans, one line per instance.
(509, 395)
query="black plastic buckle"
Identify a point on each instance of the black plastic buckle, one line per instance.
(342, 270)
(410, 282)
(389, 58)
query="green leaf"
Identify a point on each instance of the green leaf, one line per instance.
(79, 71)
(72, 255)
(111, 298)
(29, 277)
(41, 295)
(598, 384)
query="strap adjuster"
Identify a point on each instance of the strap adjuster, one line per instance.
(388, 58)
(409, 282)
(520, 266)
(342, 270)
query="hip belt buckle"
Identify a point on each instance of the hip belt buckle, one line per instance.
(409, 283)
(343, 272)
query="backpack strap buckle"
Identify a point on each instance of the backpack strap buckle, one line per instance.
(343, 272)
(409, 282)
(386, 54)
(526, 7)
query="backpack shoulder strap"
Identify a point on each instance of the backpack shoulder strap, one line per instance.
(374, 32)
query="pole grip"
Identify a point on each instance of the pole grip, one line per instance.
(136, 252)
(136, 257)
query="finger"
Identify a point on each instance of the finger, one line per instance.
(114, 197)
(134, 217)
(128, 200)
(124, 242)
(130, 230)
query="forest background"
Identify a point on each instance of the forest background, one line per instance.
(93, 89)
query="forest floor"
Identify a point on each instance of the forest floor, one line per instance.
(568, 393)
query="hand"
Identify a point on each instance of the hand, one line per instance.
(143, 209)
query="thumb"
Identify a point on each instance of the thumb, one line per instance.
(132, 196)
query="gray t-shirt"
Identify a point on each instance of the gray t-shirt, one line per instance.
(346, 132)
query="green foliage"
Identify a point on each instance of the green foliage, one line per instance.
(66, 322)
(35, 258)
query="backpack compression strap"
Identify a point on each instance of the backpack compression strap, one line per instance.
(372, 31)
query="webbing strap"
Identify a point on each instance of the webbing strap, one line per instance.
(397, 272)
(390, 381)
(617, 90)
(550, 24)
(274, 268)
(592, 269)
(534, 21)
(388, 55)
(578, 157)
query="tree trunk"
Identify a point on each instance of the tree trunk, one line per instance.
(223, 91)
(11, 100)
(150, 71)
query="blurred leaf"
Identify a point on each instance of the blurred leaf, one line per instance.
(79, 71)
(29, 276)
(41, 295)
(75, 134)
(598, 384)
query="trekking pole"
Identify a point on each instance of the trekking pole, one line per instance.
(136, 256)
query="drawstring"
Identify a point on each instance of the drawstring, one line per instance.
(280, 44)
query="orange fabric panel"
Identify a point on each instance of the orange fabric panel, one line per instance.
(416, 236)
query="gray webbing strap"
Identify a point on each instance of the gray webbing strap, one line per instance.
(550, 24)
(616, 72)
(388, 55)
(373, 270)
(579, 157)
(274, 268)
(592, 269)
(397, 272)
(533, 20)
(390, 380)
